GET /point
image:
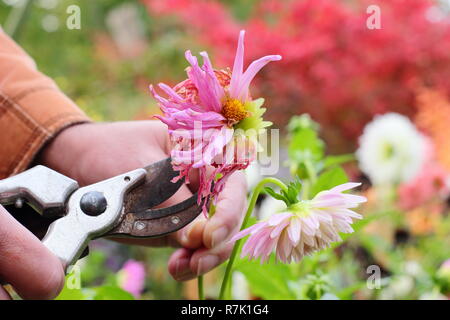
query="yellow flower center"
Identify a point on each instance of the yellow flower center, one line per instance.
(234, 110)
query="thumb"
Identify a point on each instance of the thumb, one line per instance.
(25, 263)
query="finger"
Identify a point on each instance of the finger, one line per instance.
(230, 208)
(179, 265)
(4, 295)
(204, 260)
(185, 264)
(26, 264)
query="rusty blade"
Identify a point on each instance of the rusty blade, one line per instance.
(140, 219)
(157, 188)
(157, 222)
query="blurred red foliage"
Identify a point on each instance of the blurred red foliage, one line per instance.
(333, 66)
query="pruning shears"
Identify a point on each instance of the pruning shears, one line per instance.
(122, 206)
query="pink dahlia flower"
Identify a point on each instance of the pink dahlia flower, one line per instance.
(432, 182)
(444, 271)
(212, 119)
(304, 227)
(132, 277)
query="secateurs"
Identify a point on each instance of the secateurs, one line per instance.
(122, 206)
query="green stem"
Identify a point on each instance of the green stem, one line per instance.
(259, 187)
(312, 174)
(311, 181)
(201, 292)
(16, 19)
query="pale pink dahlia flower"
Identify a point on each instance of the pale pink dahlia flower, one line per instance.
(445, 268)
(304, 227)
(431, 182)
(132, 277)
(212, 119)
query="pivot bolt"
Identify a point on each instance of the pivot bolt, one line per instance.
(93, 203)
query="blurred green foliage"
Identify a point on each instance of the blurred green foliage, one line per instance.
(86, 65)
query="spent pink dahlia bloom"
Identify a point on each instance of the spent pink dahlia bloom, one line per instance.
(213, 120)
(304, 227)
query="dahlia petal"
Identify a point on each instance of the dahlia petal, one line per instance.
(354, 200)
(307, 229)
(215, 146)
(345, 187)
(277, 218)
(250, 73)
(263, 242)
(238, 66)
(213, 81)
(308, 238)
(172, 94)
(325, 199)
(350, 213)
(205, 83)
(294, 231)
(253, 229)
(322, 215)
(257, 239)
(279, 228)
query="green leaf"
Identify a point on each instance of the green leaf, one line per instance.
(270, 281)
(274, 194)
(303, 121)
(294, 188)
(290, 196)
(305, 144)
(347, 293)
(95, 267)
(71, 294)
(111, 293)
(331, 161)
(329, 179)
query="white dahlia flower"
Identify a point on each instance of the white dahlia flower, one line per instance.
(391, 150)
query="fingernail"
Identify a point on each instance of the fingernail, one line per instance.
(207, 263)
(218, 236)
(178, 266)
(191, 228)
(187, 232)
(179, 272)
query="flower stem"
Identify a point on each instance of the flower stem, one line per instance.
(201, 292)
(16, 19)
(259, 187)
(311, 181)
(200, 287)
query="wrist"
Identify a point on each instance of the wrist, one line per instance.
(64, 150)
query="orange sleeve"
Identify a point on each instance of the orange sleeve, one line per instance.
(32, 109)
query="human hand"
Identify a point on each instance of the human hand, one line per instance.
(89, 153)
(25, 263)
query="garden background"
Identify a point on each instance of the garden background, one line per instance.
(334, 68)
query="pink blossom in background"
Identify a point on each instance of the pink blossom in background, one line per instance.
(303, 228)
(132, 277)
(446, 265)
(432, 182)
(444, 269)
(203, 114)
